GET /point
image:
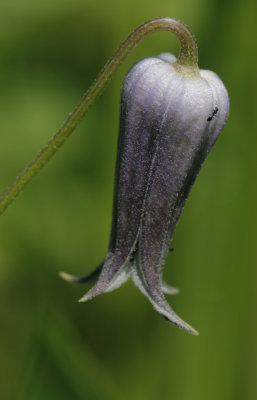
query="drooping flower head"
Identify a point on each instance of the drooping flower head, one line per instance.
(171, 116)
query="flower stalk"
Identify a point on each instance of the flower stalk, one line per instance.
(186, 64)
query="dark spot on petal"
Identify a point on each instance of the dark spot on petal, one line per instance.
(214, 112)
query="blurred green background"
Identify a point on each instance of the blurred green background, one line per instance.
(117, 347)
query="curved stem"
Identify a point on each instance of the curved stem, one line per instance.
(187, 60)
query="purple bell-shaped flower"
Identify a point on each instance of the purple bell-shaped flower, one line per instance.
(170, 118)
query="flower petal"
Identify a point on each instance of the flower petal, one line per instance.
(159, 303)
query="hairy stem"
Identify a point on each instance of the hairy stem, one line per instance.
(186, 63)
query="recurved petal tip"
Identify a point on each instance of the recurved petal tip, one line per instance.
(83, 299)
(171, 316)
(167, 289)
(68, 277)
(160, 304)
(93, 292)
(182, 325)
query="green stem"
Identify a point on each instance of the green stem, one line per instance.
(187, 60)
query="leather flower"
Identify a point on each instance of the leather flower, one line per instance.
(169, 122)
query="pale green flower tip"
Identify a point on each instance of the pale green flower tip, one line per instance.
(170, 290)
(194, 332)
(83, 299)
(67, 277)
